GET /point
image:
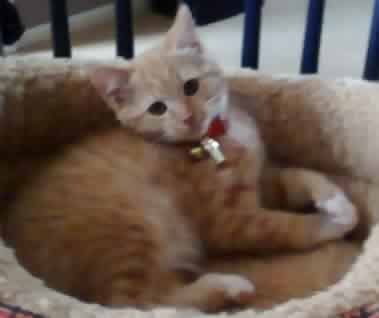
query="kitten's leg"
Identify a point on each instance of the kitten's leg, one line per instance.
(301, 187)
(298, 189)
(247, 228)
(213, 292)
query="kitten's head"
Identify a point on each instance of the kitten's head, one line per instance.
(170, 93)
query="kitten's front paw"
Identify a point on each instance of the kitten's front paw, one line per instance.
(339, 216)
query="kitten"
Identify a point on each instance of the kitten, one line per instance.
(127, 217)
(174, 93)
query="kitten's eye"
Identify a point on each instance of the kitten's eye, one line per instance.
(157, 108)
(191, 87)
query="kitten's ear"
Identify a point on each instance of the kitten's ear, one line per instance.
(111, 83)
(182, 34)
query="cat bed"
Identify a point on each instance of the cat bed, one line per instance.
(330, 125)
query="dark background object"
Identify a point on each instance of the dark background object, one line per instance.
(312, 37)
(164, 7)
(124, 29)
(60, 29)
(204, 11)
(371, 70)
(11, 26)
(209, 11)
(1, 30)
(252, 33)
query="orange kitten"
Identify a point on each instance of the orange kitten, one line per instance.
(127, 217)
(174, 93)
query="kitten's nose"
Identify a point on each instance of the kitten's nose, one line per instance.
(190, 120)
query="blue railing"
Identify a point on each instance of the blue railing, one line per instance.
(60, 28)
(312, 37)
(61, 33)
(124, 29)
(251, 34)
(1, 33)
(371, 71)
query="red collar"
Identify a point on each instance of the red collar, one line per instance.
(217, 127)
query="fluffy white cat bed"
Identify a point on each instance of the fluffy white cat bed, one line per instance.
(329, 125)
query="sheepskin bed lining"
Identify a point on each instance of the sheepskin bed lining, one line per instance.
(360, 285)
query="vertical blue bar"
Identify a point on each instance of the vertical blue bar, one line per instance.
(312, 38)
(371, 71)
(1, 30)
(251, 33)
(124, 29)
(1, 43)
(59, 28)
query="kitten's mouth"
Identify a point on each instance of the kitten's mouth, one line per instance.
(153, 136)
(215, 128)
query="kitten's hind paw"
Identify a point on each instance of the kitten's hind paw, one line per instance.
(339, 216)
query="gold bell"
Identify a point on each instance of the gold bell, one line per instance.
(197, 153)
(209, 147)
